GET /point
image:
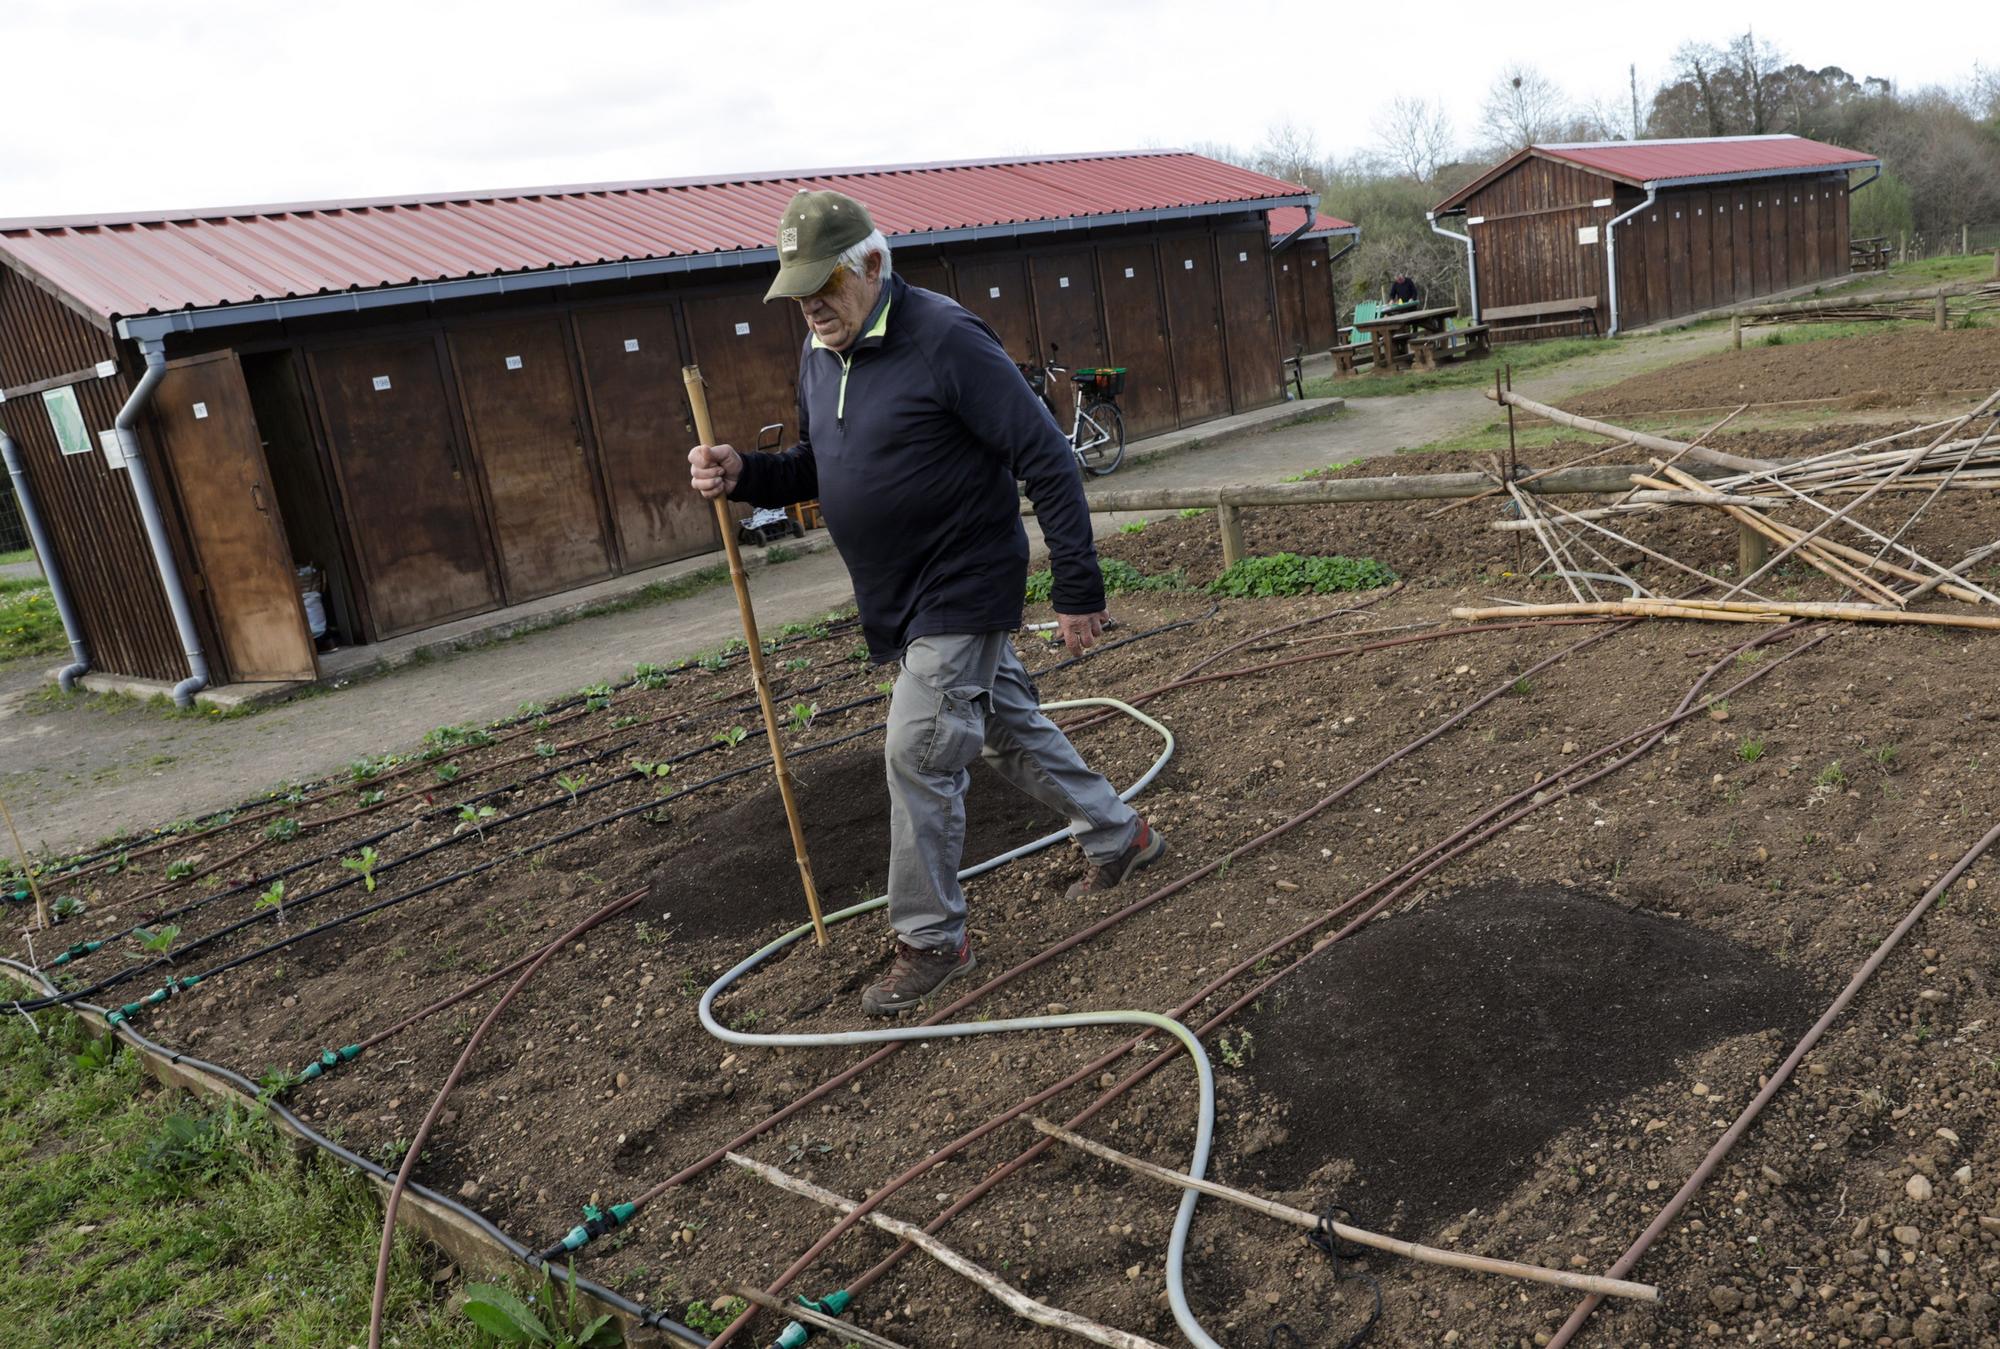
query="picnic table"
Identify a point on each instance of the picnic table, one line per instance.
(1390, 332)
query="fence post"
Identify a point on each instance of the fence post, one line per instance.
(1964, 240)
(1736, 331)
(1231, 525)
(1902, 246)
(1752, 549)
(1942, 321)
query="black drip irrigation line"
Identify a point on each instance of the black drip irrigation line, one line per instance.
(183, 983)
(221, 819)
(260, 1098)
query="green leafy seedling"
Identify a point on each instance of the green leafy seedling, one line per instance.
(447, 772)
(1139, 526)
(569, 782)
(802, 716)
(364, 866)
(160, 941)
(1749, 750)
(373, 797)
(180, 869)
(474, 818)
(544, 750)
(287, 829)
(273, 898)
(732, 737)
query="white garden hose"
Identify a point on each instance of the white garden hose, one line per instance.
(1205, 1123)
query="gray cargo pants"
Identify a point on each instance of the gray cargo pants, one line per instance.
(958, 697)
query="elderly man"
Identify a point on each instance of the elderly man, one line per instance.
(914, 427)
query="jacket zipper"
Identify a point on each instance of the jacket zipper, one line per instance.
(840, 407)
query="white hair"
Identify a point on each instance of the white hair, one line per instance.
(855, 258)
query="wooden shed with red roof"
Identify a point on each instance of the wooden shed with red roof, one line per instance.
(451, 404)
(1635, 232)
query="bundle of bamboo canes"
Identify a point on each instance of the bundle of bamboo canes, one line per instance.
(1883, 573)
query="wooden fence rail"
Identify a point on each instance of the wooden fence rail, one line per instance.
(1227, 501)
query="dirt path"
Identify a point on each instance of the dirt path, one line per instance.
(76, 774)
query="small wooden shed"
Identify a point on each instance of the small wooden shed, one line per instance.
(1652, 230)
(444, 406)
(1302, 244)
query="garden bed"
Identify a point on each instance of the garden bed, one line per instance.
(1482, 1066)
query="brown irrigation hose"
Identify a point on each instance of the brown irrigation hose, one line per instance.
(1442, 852)
(1773, 1085)
(1214, 865)
(423, 1134)
(848, 1074)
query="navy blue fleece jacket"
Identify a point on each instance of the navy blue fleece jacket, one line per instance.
(912, 441)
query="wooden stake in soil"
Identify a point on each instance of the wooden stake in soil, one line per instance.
(1016, 1301)
(27, 870)
(703, 427)
(1430, 1255)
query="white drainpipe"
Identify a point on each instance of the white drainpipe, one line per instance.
(154, 350)
(31, 514)
(1471, 265)
(1611, 254)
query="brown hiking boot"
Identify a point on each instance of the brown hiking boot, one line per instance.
(1147, 847)
(914, 975)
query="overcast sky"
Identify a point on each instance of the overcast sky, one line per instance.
(127, 106)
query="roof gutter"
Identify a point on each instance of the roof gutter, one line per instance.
(1471, 262)
(145, 328)
(154, 350)
(1802, 171)
(1312, 218)
(1611, 254)
(51, 569)
(1875, 173)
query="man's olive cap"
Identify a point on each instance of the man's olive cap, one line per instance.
(818, 227)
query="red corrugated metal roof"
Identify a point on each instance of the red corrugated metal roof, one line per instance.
(1665, 162)
(156, 262)
(1288, 218)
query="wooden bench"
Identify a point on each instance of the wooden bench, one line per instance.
(1452, 344)
(1518, 318)
(1349, 357)
(1869, 255)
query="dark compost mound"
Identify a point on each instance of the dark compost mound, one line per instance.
(739, 876)
(1441, 1050)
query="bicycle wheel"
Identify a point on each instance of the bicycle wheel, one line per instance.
(1109, 451)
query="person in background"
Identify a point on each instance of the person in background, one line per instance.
(1402, 290)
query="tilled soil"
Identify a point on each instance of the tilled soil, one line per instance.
(1753, 855)
(1906, 368)
(1437, 1055)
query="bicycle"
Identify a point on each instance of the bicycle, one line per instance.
(1097, 430)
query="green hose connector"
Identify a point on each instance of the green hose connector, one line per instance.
(795, 1335)
(17, 896)
(153, 999)
(76, 952)
(328, 1061)
(596, 1222)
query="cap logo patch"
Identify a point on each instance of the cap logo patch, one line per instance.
(788, 239)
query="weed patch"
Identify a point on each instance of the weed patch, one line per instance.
(1291, 574)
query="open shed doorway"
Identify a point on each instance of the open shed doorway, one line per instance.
(299, 482)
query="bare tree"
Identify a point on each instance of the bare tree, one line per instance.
(1755, 65)
(1291, 152)
(1522, 106)
(1414, 136)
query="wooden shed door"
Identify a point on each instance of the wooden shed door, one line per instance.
(997, 291)
(420, 537)
(1135, 329)
(527, 434)
(1065, 286)
(202, 409)
(1288, 266)
(632, 373)
(1315, 268)
(1194, 322)
(748, 352)
(1255, 379)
